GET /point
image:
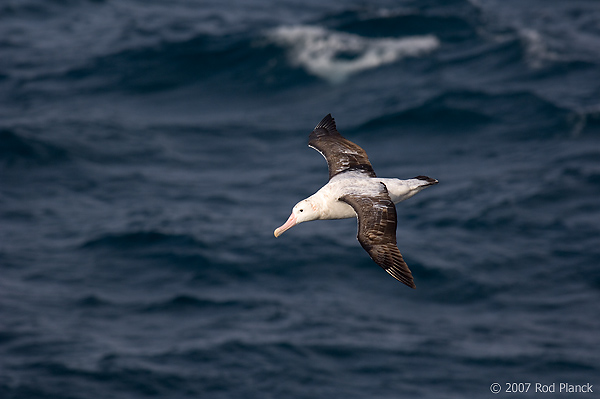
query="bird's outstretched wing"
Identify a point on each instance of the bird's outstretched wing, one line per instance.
(377, 232)
(341, 154)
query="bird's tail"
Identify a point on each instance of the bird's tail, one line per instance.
(423, 181)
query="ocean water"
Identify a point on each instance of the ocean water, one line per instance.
(149, 149)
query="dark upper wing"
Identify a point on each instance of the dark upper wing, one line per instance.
(377, 232)
(342, 155)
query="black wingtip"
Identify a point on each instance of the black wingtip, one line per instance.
(327, 123)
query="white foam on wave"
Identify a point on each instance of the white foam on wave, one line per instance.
(334, 56)
(536, 48)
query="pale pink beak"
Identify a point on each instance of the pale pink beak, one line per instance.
(291, 222)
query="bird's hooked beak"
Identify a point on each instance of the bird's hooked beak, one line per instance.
(291, 222)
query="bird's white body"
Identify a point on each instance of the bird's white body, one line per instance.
(326, 203)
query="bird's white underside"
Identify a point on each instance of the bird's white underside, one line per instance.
(358, 183)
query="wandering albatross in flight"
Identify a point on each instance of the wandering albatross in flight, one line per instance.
(354, 190)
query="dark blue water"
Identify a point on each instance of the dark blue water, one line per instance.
(148, 150)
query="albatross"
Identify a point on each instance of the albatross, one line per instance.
(354, 190)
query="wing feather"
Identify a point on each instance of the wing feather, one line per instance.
(377, 233)
(341, 154)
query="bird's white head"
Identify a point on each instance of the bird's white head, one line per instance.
(304, 211)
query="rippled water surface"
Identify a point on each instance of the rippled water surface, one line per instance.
(148, 150)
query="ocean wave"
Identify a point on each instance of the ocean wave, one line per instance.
(564, 34)
(334, 55)
(177, 303)
(407, 22)
(17, 148)
(246, 59)
(151, 250)
(142, 239)
(93, 301)
(132, 377)
(152, 67)
(189, 302)
(454, 111)
(541, 51)
(537, 50)
(521, 114)
(585, 123)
